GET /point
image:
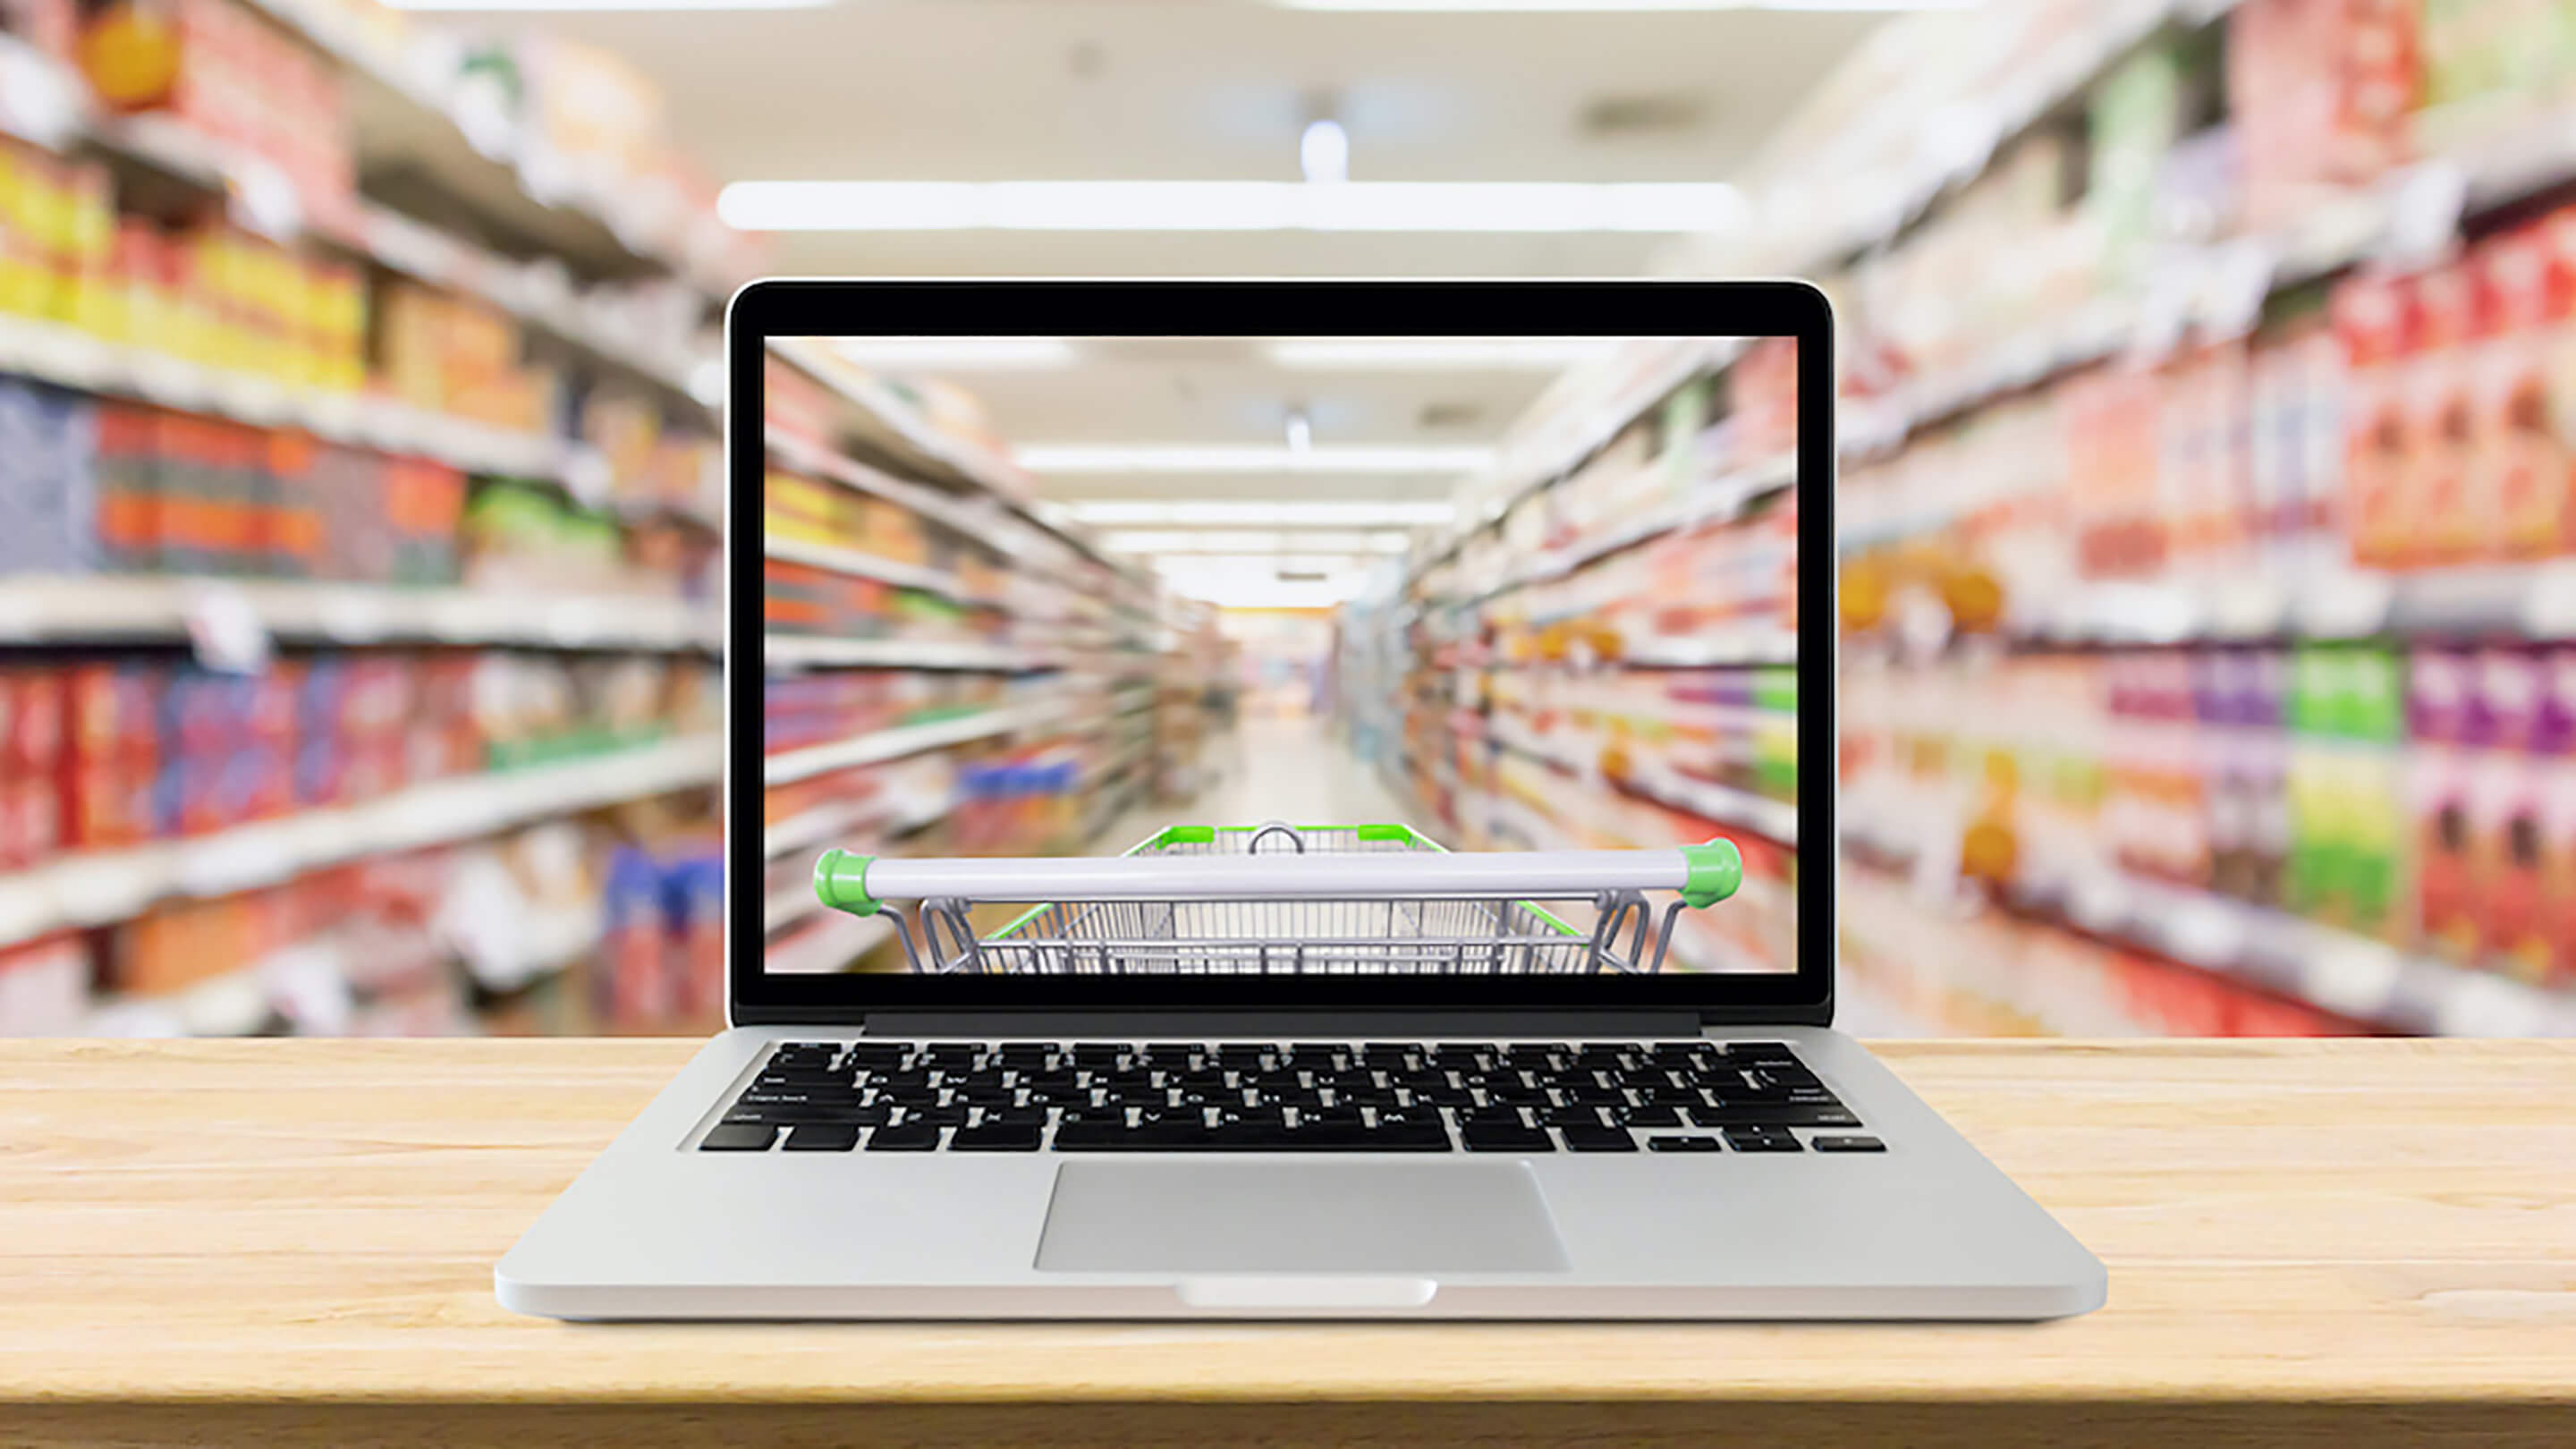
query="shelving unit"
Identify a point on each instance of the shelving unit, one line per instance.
(868, 749)
(609, 278)
(97, 887)
(90, 609)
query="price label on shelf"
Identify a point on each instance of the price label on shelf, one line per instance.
(229, 635)
(2424, 211)
(38, 100)
(262, 199)
(2234, 287)
(2350, 975)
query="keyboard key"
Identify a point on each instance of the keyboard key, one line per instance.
(1846, 1144)
(1250, 1136)
(1681, 1144)
(1495, 1137)
(1653, 1114)
(1765, 1114)
(739, 1137)
(1002, 1136)
(1597, 1138)
(905, 1137)
(1762, 1139)
(823, 1137)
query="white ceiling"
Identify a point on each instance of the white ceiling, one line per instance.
(991, 90)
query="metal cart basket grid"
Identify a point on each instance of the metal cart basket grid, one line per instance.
(1301, 919)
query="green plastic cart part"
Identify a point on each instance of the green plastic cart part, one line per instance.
(841, 882)
(1715, 870)
(1185, 835)
(1374, 834)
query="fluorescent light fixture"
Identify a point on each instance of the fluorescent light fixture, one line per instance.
(568, 5)
(1144, 206)
(1264, 592)
(1359, 354)
(1281, 514)
(1255, 565)
(1324, 153)
(1603, 7)
(960, 354)
(1190, 458)
(1250, 541)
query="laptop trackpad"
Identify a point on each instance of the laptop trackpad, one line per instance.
(1219, 1216)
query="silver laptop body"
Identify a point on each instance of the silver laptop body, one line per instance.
(1920, 1226)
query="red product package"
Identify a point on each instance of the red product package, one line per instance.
(2522, 464)
(2374, 320)
(2443, 519)
(31, 722)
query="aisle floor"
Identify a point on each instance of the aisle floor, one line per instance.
(1291, 769)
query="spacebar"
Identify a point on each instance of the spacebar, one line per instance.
(1180, 1137)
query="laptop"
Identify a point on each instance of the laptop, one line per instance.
(1309, 1067)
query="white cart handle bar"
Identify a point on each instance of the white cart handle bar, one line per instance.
(861, 884)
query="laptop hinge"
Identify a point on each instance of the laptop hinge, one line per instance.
(1553, 1022)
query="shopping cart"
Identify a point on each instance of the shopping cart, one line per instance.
(1280, 899)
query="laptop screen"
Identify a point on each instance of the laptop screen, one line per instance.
(1298, 630)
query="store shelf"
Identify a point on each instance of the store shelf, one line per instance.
(106, 607)
(826, 824)
(2335, 971)
(897, 426)
(72, 359)
(1718, 500)
(869, 566)
(97, 887)
(539, 297)
(985, 524)
(406, 102)
(1719, 805)
(797, 651)
(1724, 646)
(799, 764)
(828, 945)
(410, 110)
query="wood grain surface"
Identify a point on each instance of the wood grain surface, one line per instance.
(292, 1242)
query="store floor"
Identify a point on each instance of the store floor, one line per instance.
(1273, 768)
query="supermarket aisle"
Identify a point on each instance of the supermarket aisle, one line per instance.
(1274, 769)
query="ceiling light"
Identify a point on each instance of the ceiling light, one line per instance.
(962, 354)
(542, 5)
(1267, 593)
(1243, 541)
(1607, 6)
(1301, 433)
(1145, 206)
(1547, 354)
(1267, 515)
(1324, 152)
(1188, 458)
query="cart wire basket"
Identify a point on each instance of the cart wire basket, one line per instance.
(1279, 899)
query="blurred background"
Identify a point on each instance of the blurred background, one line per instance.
(2207, 497)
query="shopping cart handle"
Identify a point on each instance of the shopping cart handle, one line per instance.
(862, 884)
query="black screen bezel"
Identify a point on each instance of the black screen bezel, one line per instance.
(825, 308)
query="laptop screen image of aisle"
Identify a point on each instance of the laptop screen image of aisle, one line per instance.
(1598, 646)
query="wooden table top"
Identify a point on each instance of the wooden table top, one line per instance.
(290, 1225)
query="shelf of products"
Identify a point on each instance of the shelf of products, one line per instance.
(797, 764)
(99, 608)
(97, 886)
(2204, 528)
(1600, 662)
(353, 382)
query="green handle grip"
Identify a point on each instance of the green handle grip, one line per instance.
(841, 882)
(1716, 869)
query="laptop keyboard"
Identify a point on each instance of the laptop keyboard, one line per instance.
(1022, 1096)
